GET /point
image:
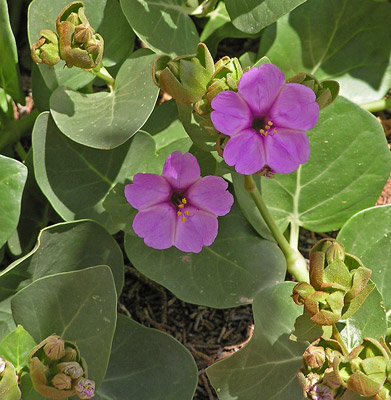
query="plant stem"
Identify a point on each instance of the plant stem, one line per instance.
(101, 72)
(12, 131)
(378, 105)
(296, 264)
(21, 151)
(338, 338)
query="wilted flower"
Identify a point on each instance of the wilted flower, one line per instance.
(266, 121)
(178, 208)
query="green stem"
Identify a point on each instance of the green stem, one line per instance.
(101, 72)
(296, 264)
(378, 105)
(338, 338)
(12, 131)
(21, 151)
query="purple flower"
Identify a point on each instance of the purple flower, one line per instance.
(321, 393)
(178, 208)
(266, 121)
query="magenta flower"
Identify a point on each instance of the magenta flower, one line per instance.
(266, 121)
(178, 208)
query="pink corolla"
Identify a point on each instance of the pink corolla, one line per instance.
(266, 120)
(178, 208)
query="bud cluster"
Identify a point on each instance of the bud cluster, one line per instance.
(75, 42)
(58, 371)
(327, 373)
(338, 284)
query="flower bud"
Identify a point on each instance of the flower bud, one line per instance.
(333, 251)
(70, 354)
(94, 45)
(85, 388)
(314, 356)
(185, 78)
(72, 369)
(83, 33)
(54, 348)
(46, 50)
(62, 381)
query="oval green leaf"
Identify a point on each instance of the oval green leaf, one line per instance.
(147, 364)
(251, 16)
(164, 25)
(226, 274)
(365, 228)
(79, 306)
(345, 40)
(65, 247)
(347, 169)
(9, 70)
(13, 177)
(117, 115)
(267, 365)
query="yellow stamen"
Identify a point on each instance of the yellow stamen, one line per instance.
(184, 201)
(178, 213)
(187, 212)
(274, 130)
(183, 219)
(270, 123)
(267, 127)
(180, 205)
(262, 131)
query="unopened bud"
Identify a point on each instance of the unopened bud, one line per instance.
(72, 369)
(62, 381)
(70, 355)
(83, 33)
(73, 18)
(333, 251)
(54, 348)
(314, 356)
(93, 46)
(85, 388)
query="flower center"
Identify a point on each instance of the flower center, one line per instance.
(264, 128)
(180, 202)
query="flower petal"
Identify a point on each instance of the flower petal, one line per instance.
(246, 152)
(231, 113)
(199, 229)
(181, 170)
(286, 150)
(210, 194)
(147, 190)
(156, 225)
(295, 108)
(260, 87)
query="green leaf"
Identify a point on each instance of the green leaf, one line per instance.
(9, 388)
(34, 215)
(248, 207)
(220, 27)
(16, 348)
(251, 16)
(9, 70)
(66, 247)
(347, 169)
(61, 164)
(147, 364)
(377, 257)
(164, 25)
(343, 40)
(105, 17)
(79, 306)
(364, 229)
(369, 321)
(267, 365)
(117, 115)
(308, 331)
(226, 274)
(13, 176)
